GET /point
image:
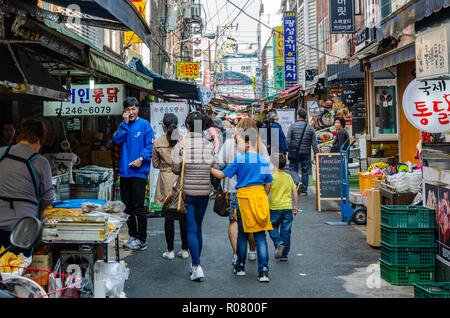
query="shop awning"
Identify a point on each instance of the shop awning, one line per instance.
(290, 90)
(22, 77)
(237, 100)
(101, 62)
(287, 98)
(351, 73)
(118, 10)
(409, 14)
(393, 57)
(167, 88)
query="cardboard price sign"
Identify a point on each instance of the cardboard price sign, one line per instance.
(188, 69)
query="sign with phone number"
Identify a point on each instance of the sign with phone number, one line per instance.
(102, 99)
(188, 70)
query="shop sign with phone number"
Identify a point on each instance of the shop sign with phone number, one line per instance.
(102, 99)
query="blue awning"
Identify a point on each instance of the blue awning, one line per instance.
(394, 57)
(413, 12)
(118, 10)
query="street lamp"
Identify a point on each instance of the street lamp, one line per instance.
(206, 35)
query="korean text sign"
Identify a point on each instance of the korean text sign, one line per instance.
(433, 53)
(102, 99)
(290, 49)
(342, 16)
(278, 68)
(188, 69)
(427, 105)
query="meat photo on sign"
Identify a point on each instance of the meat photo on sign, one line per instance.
(444, 215)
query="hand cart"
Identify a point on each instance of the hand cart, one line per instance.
(349, 211)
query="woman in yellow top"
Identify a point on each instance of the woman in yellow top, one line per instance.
(252, 211)
(282, 190)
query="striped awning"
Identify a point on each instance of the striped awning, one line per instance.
(409, 14)
(393, 57)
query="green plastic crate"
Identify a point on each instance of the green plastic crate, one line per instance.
(408, 256)
(432, 290)
(398, 237)
(405, 216)
(406, 275)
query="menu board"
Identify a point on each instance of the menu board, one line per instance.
(328, 172)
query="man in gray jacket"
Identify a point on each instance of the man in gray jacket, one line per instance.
(300, 138)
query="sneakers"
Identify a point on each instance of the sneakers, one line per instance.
(234, 260)
(279, 250)
(252, 255)
(304, 194)
(197, 274)
(212, 195)
(169, 255)
(130, 240)
(183, 254)
(239, 271)
(137, 245)
(299, 187)
(283, 258)
(263, 277)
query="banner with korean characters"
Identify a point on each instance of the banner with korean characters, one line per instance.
(290, 49)
(342, 16)
(102, 99)
(188, 69)
(433, 53)
(130, 36)
(278, 54)
(427, 105)
(156, 117)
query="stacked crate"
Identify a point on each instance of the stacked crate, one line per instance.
(407, 252)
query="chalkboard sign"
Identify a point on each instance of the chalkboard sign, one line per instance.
(328, 172)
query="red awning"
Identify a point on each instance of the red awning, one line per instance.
(290, 90)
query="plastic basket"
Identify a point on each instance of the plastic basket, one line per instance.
(395, 237)
(48, 280)
(406, 275)
(407, 256)
(404, 216)
(367, 181)
(432, 290)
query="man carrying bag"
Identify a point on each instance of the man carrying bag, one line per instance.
(300, 138)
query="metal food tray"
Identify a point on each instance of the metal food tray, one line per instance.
(94, 230)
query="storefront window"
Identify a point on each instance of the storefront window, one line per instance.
(385, 107)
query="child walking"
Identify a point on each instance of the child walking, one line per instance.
(281, 189)
(252, 208)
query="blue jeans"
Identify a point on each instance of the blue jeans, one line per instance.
(261, 246)
(304, 160)
(196, 208)
(282, 223)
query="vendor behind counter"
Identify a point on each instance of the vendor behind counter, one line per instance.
(25, 190)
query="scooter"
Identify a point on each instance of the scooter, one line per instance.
(26, 235)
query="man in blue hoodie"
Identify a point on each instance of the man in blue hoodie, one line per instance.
(135, 136)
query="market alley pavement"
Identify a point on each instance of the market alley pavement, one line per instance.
(325, 261)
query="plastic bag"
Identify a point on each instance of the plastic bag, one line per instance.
(113, 207)
(88, 207)
(114, 274)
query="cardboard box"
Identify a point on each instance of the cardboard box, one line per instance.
(42, 262)
(373, 218)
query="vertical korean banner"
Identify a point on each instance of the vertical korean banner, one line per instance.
(278, 58)
(342, 16)
(130, 36)
(290, 49)
(156, 117)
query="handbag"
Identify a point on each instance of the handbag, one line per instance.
(222, 202)
(293, 156)
(174, 205)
